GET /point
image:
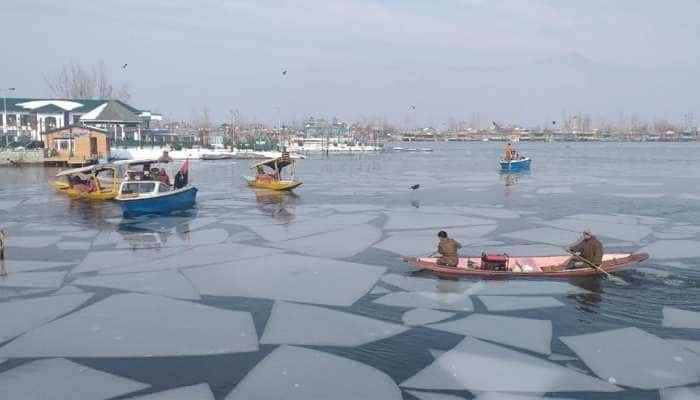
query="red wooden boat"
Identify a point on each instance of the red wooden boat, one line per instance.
(538, 266)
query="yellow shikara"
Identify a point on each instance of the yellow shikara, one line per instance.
(274, 180)
(95, 182)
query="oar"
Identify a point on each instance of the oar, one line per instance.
(605, 273)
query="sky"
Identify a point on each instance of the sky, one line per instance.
(407, 62)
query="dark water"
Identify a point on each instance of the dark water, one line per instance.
(634, 196)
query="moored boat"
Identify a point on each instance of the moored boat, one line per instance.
(273, 180)
(515, 165)
(95, 182)
(526, 266)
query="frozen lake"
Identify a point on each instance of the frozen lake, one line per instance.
(260, 295)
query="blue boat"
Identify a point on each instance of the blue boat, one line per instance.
(516, 165)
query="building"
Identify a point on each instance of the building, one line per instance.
(25, 119)
(320, 128)
(76, 145)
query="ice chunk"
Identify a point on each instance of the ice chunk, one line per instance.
(436, 353)
(20, 316)
(479, 366)
(411, 283)
(399, 220)
(294, 373)
(677, 318)
(288, 277)
(510, 303)
(336, 244)
(82, 234)
(380, 290)
(33, 242)
(106, 260)
(529, 287)
(190, 238)
(669, 249)
(561, 357)
(65, 245)
(444, 301)
(33, 279)
(530, 334)
(546, 235)
(611, 229)
(309, 227)
(68, 290)
(58, 379)
(680, 393)
(310, 325)
(692, 345)
(433, 396)
(616, 354)
(24, 266)
(422, 316)
(194, 392)
(138, 325)
(162, 283)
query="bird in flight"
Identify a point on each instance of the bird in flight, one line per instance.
(284, 72)
(124, 66)
(416, 186)
(412, 107)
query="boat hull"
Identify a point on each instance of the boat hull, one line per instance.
(546, 266)
(272, 184)
(102, 195)
(516, 165)
(163, 203)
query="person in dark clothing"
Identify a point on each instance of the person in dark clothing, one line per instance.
(448, 248)
(589, 248)
(180, 180)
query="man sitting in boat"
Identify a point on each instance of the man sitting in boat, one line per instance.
(448, 248)
(260, 175)
(509, 152)
(589, 249)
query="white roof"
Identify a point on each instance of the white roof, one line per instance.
(94, 113)
(64, 104)
(81, 170)
(133, 162)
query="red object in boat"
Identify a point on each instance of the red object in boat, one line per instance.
(538, 266)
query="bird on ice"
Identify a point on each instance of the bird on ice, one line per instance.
(414, 187)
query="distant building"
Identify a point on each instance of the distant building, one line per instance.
(320, 128)
(28, 118)
(75, 145)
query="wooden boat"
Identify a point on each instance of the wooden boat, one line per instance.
(95, 182)
(515, 165)
(141, 194)
(539, 266)
(275, 179)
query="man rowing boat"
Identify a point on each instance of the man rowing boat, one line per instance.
(589, 249)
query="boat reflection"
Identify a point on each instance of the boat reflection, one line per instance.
(511, 178)
(154, 232)
(277, 204)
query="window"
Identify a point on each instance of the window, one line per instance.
(50, 122)
(138, 187)
(76, 119)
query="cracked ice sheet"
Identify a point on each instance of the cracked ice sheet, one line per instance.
(488, 212)
(530, 334)
(65, 245)
(511, 303)
(194, 392)
(624, 219)
(479, 366)
(295, 373)
(309, 227)
(413, 220)
(138, 325)
(692, 345)
(671, 249)
(433, 396)
(115, 259)
(422, 316)
(161, 283)
(680, 393)
(32, 242)
(615, 356)
(335, 244)
(520, 288)
(316, 326)
(288, 277)
(615, 230)
(410, 283)
(412, 244)
(443, 301)
(194, 238)
(677, 318)
(545, 235)
(20, 316)
(197, 257)
(24, 266)
(59, 379)
(33, 279)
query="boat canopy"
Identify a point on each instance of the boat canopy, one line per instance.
(145, 161)
(279, 162)
(86, 170)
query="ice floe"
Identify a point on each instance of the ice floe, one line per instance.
(615, 230)
(288, 277)
(546, 235)
(433, 396)
(615, 356)
(32, 242)
(162, 283)
(670, 249)
(60, 379)
(33, 279)
(412, 220)
(510, 303)
(65, 245)
(411, 283)
(114, 259)
(530, 334)
(680, 393)
(20, 316)
(25, 266)
(436, 353)
(677, 318)
(300, 324)
(520, 288)
(692, 345)
(309, 227)
(479, 366)
(444, 301)
(380, 290)
(422, 316)
(335, 244)
(138, 325)
(194, 392)
(294, 373)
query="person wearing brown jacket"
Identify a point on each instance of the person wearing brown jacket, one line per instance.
(588, 249)
(448, 248)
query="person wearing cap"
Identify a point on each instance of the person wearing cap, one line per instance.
(589, 248)
(448, 248)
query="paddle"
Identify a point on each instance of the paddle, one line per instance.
(605, 273)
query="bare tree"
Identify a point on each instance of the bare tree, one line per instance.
(76, 81)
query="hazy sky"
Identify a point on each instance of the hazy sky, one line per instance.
(511, 61)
